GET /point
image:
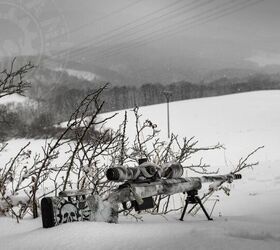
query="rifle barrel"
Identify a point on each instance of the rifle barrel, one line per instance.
(131, 191)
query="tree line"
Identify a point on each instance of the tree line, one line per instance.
(53, 103)
(63, 98)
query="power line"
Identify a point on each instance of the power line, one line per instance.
(179, 29)
(154, 22)
(112, 13)
(89, 41)
(195, 18)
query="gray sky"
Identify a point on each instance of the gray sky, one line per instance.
(251, 32)
(225, 30)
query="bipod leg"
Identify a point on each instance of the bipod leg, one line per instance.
(213, 207)
(203, 208)
(185, 209)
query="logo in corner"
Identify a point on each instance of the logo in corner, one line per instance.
(32, 30)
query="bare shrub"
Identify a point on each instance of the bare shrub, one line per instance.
(86, 148)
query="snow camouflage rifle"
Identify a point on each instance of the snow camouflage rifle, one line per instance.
(139, 185)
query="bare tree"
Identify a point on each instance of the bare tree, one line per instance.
(87, 140)
(13, 80)
(147, 144)
(89, 148)
(242, 164)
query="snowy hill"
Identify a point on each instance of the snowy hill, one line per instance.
(248, 219)
(15, 98)
(83, 75)
(241, 122)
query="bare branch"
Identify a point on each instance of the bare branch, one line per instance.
(13, 81)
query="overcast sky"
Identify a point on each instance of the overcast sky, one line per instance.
(253, 28)
(237, 30)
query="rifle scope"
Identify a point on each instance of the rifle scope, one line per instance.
(122, 173)
(144, 171)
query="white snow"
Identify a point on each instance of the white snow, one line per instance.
(89, 76)
(248, 219)
(241, 122)
(15, 98)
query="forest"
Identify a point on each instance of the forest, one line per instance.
(52, 102)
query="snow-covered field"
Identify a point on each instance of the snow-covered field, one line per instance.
(248, 219)
(15, 98)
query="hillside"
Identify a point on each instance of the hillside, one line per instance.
(248, 219)
(59, 88)
(240, 121)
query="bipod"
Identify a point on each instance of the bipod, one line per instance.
(193, 198)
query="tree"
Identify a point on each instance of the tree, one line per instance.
(88, 149)
(13, 81)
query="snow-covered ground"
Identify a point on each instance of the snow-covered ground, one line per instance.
(84, 75)
(248, 219)
(15, 99)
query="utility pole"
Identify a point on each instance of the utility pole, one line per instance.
(167, 95)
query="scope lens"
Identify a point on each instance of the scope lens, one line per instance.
(112, 174)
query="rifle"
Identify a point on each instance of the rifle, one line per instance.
(139, 185)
